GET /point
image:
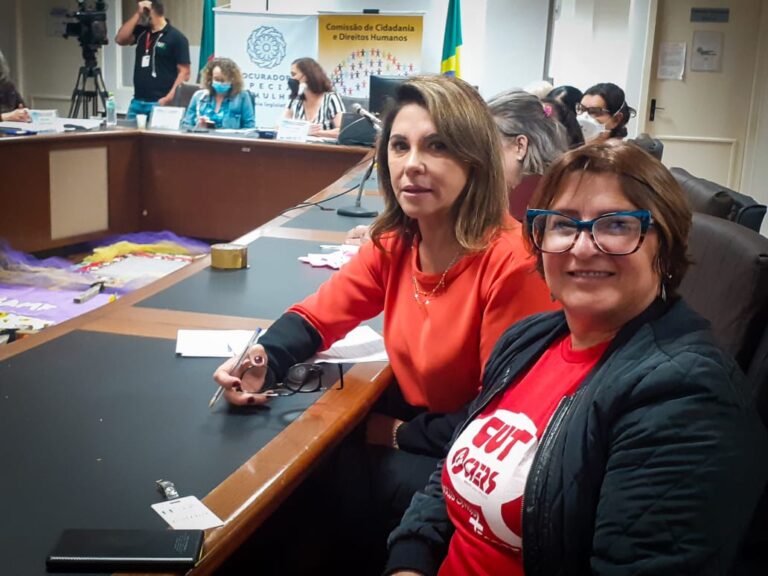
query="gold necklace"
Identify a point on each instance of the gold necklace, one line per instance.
(418, 293)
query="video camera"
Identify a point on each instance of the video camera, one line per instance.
(90, 26)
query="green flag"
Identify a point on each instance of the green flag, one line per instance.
(206, 41)
(451, 64)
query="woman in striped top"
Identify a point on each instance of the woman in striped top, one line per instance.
(313, 99)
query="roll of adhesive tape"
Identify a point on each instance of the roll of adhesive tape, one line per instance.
(229, 256)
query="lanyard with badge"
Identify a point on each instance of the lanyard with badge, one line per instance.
(147, 58)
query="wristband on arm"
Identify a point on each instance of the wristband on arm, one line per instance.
(395, 428)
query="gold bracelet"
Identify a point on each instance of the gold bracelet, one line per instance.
(395, 428)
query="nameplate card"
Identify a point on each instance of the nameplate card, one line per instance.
(166, 117)
(292, 130)
(44, 120)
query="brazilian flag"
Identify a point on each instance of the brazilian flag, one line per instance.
(206, 41)
(451, 65)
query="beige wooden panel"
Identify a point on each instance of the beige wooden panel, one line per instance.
(79, 191)
(707, 104)
(710, 158)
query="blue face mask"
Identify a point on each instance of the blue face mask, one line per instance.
(221, 87)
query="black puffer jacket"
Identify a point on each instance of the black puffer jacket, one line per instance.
(654, 466)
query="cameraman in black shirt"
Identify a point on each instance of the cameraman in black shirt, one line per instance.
(162, 56)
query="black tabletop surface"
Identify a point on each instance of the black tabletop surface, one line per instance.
(82, 442)
(316, 219)
(273, 281)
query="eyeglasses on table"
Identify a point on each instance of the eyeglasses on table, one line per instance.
(306, 378)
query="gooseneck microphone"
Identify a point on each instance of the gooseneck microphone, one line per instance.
(360, 111)
(357, 211)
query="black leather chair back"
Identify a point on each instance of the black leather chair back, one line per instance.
(709, 197)
(183, 94)
(653, 146)
(728, 285)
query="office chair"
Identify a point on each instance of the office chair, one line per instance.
(728, 285)
(711, 198)
(183, 95)
(653, 146)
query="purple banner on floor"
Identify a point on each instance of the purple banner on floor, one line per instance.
(51, 305)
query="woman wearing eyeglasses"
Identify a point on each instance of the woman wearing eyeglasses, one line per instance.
(603, 113)
(612, 437)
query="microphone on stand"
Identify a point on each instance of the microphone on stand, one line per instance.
(357, 211)
(360, 111)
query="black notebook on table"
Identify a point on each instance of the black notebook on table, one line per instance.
(125, 550)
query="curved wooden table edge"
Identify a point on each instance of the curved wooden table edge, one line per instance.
(255, 490)
(335, 414)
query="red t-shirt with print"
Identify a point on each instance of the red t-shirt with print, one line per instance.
(486, 469)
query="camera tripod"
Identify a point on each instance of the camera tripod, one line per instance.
(81, 95)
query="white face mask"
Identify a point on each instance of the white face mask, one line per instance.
(590, 127)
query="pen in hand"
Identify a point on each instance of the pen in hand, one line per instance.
(243, 355)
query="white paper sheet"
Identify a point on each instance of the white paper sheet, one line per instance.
(335, 259)
(187, 513)
(363, 344)
(211, 343)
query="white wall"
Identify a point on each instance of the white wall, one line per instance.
(8, 35)
(754, 180)
(48, 64)
(508, 53)
(590, 43)
(515, 43)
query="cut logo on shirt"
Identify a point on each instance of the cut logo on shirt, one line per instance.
(488, 466)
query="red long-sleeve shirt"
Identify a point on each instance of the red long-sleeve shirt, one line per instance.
(438, 350)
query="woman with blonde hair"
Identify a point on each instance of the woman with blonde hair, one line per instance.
(222, 103)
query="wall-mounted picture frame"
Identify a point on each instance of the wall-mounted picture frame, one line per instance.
(706, 55)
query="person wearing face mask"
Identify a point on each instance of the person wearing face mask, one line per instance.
(603, 113)
(222, 103)
(313, 99)
(162, 56)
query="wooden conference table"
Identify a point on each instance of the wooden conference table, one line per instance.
(61, 189)
(95, 410)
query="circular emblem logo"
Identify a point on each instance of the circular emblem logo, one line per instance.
(266, 47)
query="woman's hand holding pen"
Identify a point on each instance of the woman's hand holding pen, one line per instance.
(242, 388)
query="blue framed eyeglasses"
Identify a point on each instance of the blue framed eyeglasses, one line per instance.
(616, 233)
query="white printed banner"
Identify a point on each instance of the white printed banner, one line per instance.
(264, 47)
